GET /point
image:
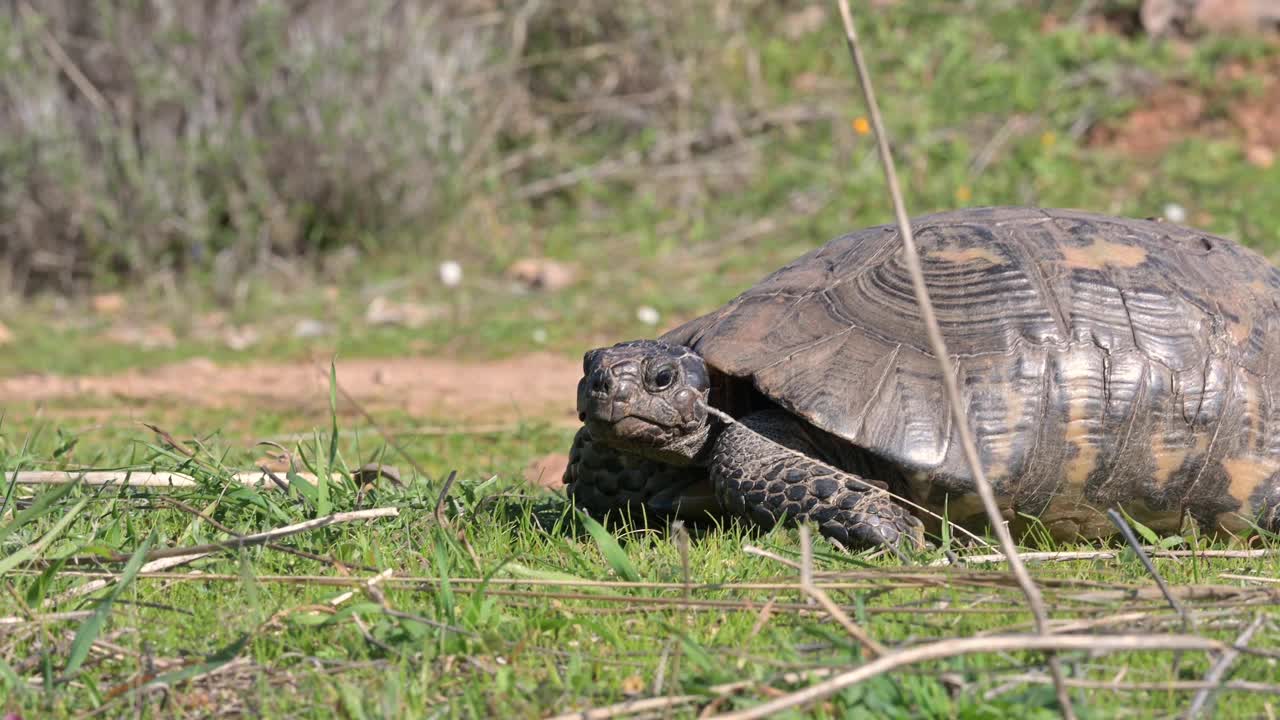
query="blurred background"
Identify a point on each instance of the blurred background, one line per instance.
(240, 180)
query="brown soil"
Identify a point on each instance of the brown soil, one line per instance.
(534, 386)
(1174, 112)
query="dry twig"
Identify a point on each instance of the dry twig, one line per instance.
(134, 478)
(1118, 520)
(1213, 678)
(939, 347)
(874, 648)
(259, 538)
(968, 646)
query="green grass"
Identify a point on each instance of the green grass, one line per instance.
(481, 632)
(529, 619)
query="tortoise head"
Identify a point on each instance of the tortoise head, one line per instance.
(646, 397)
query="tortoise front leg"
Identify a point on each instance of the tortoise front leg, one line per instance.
(763, 467)
(603, 481)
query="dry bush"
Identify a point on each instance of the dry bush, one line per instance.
(140, 139)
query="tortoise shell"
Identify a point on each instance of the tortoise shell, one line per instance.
(1103, 361)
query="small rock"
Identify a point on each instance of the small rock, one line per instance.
(1175, 213)
(1260, 156)
(241, 338)
(310, 328)
(107, 303)
(542, 274)
(450, 273)
(547, 471)
(648, 315)
(6, 335)
(382, 311)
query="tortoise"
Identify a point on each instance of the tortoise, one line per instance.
(1104, 362)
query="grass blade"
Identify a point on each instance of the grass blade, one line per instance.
(609, 547)
(37, 508)
(211, 663)
(31, 551)
(92, 626)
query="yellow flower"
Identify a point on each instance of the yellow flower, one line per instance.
(964, 194)
(1048, 139)
(861, 126)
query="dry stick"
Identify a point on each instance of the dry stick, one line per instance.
(274, 546)
(969, 646)
(46, 618)
(1216, 593)
(1219, 670)
(875, 649)
(64, 61)
(1118, 520)
(634, 707)
(96, 585)
(1062, 556)
(132, 478)
(1176, 685)
(1249, 578)
(939, 346)
(258, 538)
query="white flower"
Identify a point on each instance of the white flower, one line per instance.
(450, 273)
(540, 336)
(647, 315)
(1175, 213)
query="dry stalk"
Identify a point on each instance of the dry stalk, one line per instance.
(1213, 678)
(761, 552)
(1118, 520)
(631, 707)
(96, 585)
(1156, 686)
(23, 620)
(1065, 556)
(1218, 595)
(133, 478)
(955, 647)
(258, 538)
(939, 347)
(64, 61)
(874, 648)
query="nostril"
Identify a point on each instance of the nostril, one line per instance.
(600, 382)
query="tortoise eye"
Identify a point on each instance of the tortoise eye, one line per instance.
(663, 378)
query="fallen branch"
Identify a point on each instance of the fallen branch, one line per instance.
(46, 618)
(874, 648)
(1214, 677)
(1072, 555)
(970, 646)
(938, 345)
(256, 538)
(96, 585)
(135, 478)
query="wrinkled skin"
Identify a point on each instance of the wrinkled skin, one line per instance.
(650, 444)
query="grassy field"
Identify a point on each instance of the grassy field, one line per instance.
(497, 600)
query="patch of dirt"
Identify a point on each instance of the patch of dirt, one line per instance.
(533, 386)
(1174, 112)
